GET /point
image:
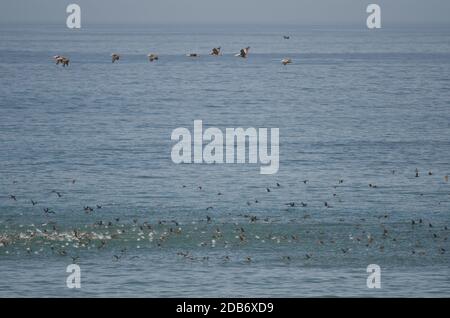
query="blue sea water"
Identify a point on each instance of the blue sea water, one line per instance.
(361, 106)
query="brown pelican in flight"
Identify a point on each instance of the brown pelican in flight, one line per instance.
(244, 52)
(153, 57)
(286, 61)
(61, 60)
(215, 51)
(115, 57)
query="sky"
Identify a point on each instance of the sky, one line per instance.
(302, 12)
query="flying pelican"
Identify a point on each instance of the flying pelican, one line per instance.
(286, 37)
(215, 51)
(286, 61)
(153, 57)
(192, 55)
(115, 57)
(61, 60)
(65, 62)
(244, 52)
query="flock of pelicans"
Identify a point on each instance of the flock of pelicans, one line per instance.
(65, 240)
(217, 51)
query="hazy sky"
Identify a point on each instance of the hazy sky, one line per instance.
(315, 12)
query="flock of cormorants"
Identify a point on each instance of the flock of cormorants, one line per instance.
(207, 232)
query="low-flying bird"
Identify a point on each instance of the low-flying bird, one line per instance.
(244, 52)
(57, 193)
(153, 57)
(115, 57)
(61, 60)
(286, 61)
(216, 51)
(48, 211)
(88, 209)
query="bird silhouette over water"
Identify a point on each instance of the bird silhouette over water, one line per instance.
(64, 61)
(75, 259)
(244, 52)
(153, 57)
(48, 211)
(216, 51)
(57, 193)
(13, 197)
(88, 209)
(115, 57)
(286, 61)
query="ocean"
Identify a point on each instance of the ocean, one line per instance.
(358, 111)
